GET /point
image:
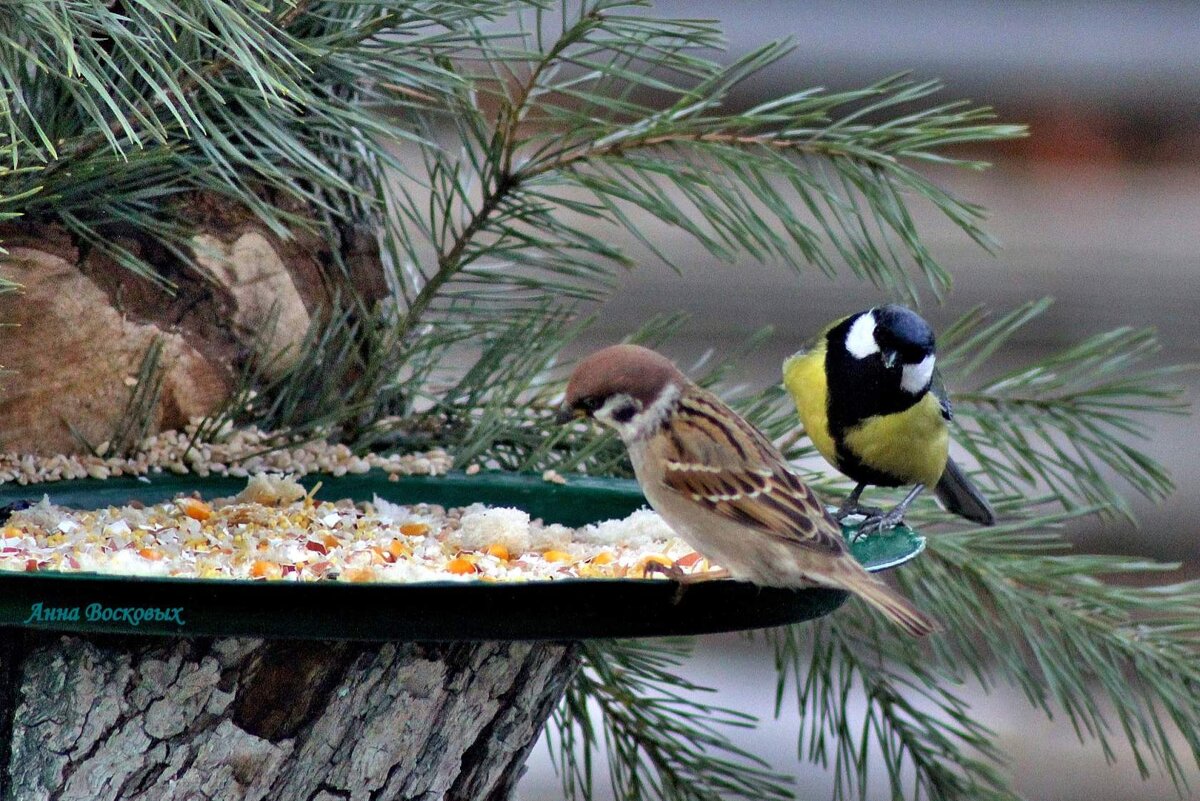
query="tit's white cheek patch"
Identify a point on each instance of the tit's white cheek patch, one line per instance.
(860, 339)
(916, 377)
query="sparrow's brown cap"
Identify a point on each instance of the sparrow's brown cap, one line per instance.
(629, 369)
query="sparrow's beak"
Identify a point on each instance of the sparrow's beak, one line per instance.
(567, 413)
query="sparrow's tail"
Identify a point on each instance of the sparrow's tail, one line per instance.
(960, 496)
(897, 609)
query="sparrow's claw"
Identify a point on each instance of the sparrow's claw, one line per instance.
(677, 574)
(672, 571)
(707, 575)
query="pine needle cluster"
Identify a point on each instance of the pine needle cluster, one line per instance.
(495, 150)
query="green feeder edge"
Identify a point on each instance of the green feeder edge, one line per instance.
(562, 609)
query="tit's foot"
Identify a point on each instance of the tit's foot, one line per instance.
(854, 508)
(879, 523)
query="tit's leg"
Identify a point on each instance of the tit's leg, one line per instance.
(894, 516)
(851, 506)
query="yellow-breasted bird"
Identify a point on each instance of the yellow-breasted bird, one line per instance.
(874, 406)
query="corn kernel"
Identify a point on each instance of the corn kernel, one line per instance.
(195, 509)
(397, 549)
(357, 574)
(557, 556)
(602, 558)
(153, 554)
(414, 529)
(264, 569)
(498, 551)
(461, 567)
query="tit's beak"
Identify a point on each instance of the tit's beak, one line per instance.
(889, 358)
(567, 413)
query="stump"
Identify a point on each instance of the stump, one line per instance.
(101, 717)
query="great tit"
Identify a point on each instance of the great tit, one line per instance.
(874, 406)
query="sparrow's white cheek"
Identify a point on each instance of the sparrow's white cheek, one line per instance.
(860, 339)
(915, 377)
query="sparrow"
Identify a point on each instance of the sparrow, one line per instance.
(720, 483)
(870, 397)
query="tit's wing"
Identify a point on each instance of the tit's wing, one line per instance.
(938, 387)
(723, 463)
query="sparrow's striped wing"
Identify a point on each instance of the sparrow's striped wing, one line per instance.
(717, 459)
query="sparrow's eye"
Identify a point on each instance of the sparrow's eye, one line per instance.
(590, 403)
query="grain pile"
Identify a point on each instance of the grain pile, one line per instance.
(275, 531)
(241, 452)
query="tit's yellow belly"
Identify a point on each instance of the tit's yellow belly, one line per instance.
(804, 379)
(911, 445)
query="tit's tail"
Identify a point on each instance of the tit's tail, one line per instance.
(960, 496)
(896, 608)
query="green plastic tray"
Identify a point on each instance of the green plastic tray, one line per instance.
(556, 610)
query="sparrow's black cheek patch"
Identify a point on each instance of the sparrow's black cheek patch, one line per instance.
(624, 413)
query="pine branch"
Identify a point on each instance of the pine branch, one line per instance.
(142, 405)
(1021, 607)
(912, 722)
(252, 103)
(491, 206)
(1069, 423)
(661, 741)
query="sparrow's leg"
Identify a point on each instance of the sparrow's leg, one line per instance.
(677, 573)
(851, 506)
(682, 579)
(893, 517)
(707, 575)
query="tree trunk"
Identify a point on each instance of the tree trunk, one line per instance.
(97, 718)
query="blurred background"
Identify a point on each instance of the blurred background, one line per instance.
(1099, 208)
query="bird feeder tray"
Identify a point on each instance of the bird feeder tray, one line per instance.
(560, 609)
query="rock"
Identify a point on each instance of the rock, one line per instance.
(67, 351)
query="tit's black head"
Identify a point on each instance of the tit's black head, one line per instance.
(879, 361)
(900, 330)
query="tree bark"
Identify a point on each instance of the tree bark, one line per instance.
(103, 718)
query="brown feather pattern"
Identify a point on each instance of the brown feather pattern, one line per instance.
(732, 470)
(742, 478)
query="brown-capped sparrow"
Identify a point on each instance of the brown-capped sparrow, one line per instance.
(720, 483)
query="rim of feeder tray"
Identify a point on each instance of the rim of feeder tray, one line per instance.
(560, 609)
